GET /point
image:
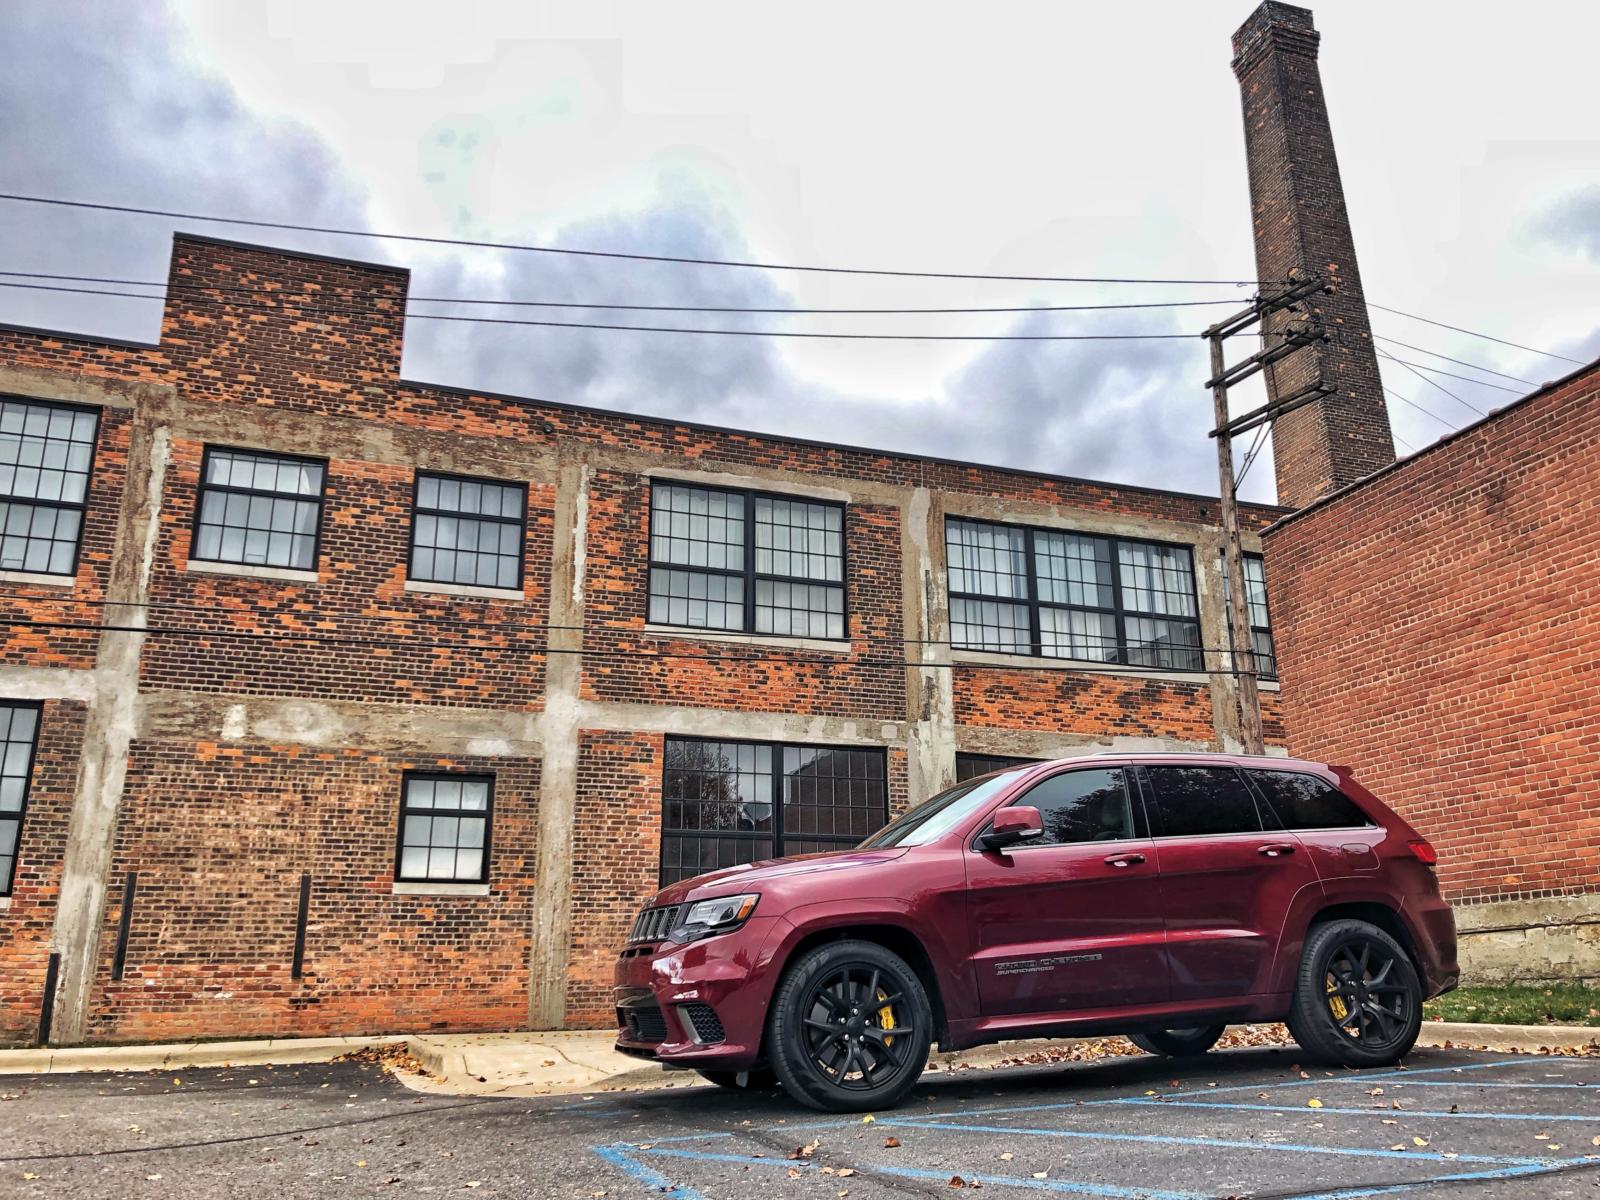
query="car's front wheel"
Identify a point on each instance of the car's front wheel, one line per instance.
(1357, 997)
(1177, 1043)
(849, 1027)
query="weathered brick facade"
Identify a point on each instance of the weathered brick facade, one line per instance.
(221, 730)
(1438, 628)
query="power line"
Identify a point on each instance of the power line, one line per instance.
(59, 202)
(1473, 333)
(1250, 455)
(1428, 412)
(1428, 379)
(172, 286)
(1434, 353)
(775, 333)
(1416, 366)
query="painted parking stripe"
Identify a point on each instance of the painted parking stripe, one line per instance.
(1484, 1083)
(1587, 1118)
(623, 1156)
(1465, 1177)
(1072, 1186)
(1215, 1143)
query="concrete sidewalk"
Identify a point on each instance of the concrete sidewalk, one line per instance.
(541, 1064)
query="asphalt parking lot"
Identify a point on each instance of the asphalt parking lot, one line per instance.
(1237, 1123)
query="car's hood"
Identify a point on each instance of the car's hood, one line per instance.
(752, 876)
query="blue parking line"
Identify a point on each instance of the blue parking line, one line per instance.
(622, 1156)
(1356, 1193)
(1462, 1083)
(1587, 1118)
(1213, 1143)
(1072, 1186)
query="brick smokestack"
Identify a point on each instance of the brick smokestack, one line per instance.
(1301, 224)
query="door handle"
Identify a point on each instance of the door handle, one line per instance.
(1275, 849)
(1124, 860)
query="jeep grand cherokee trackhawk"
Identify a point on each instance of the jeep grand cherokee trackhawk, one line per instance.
(1161, 896)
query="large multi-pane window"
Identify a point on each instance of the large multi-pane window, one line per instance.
(725, 803)
(19, 728)
(444, 828)
(746, 561)
(1047, 592)
(46, 454)
(468, 531)
(259, 509)
(1255, 594)
(970, 766)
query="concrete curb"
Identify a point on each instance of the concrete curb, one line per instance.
(446, 1060)
(58, 1060)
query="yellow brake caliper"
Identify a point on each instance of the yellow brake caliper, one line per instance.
(1336, 1003)
(885, 1016)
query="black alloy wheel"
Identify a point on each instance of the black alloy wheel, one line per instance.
(1358, 1000)
(850, 1028)
(1177, 1043)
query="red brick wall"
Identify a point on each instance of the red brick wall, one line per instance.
(220, 835)
(25, 944)
(1439, 631)
(1083, 703)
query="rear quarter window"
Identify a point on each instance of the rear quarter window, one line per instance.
(1307, 802)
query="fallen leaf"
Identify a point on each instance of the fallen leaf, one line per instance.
(153, 1178)
(176, 1082)
(1390, 1121)
(891, 1143)
(29, 1175)
(957, 1182)
(1449, 1154)
(1041, 1174)
(1541, 1137)
(361, 1162)
(1553, 1146)
(868, 1119)
(1416, 1141)
(794, 1172)
(846, 1172)
(474, 1183)
(1007, 1156)
(1313, 1103)
(1401, 1146)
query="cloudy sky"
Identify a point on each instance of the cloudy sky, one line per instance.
(1059, 139)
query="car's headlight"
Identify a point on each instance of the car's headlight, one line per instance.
(706, 917)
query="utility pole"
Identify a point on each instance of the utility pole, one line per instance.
(1222, 377)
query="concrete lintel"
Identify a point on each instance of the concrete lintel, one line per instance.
(1084, 520)
(1045, 744)
(72, 387)
(785, 481)
(46, 683)
(224, 717)
(820, 645)
(708, 471)
(1084, 667)
(748, 726)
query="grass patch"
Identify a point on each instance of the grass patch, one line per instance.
(1519, 1004)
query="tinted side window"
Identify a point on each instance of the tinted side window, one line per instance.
(1306, 802)
(1082, 806)
(1195, 801)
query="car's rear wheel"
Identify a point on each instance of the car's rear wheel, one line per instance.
(849, 1028)
(755, 1080)
(1357, 997)
(1178, 1043)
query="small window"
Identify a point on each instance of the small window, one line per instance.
(468, 531)
(46, 455)
(746, 561)
(1260, 620)
(259, 509)
(19, 728)
(970, 766)
(726, 803)
(1200, 801)
(1305, 802)
(1045, 592)
(1082, 806)
(444, 828)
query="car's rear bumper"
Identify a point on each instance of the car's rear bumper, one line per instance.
(1434, 929)
(697, 1005)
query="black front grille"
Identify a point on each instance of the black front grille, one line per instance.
(704, 1021)
(653, 924)
(642, 1023)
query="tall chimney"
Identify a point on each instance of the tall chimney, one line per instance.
(1301, 226)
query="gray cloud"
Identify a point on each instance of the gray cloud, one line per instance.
(101, 103)
(1573, 223)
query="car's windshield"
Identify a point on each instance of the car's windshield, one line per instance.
(936, 816)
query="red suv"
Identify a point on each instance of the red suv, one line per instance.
(1157, 895)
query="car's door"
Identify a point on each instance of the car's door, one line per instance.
(1073, 919)
(1228, 878)
(1341, 839)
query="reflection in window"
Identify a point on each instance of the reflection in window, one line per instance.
(1082, 806)
(444, 828)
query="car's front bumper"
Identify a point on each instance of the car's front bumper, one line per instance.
(702, 1004)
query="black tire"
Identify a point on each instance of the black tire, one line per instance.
(830, 1028)
(1357, 999)
(1178, 1043)
(756, 1079)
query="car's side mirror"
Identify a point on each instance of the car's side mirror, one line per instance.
(1019, 823)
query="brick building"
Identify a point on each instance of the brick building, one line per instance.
(337, 702)
(1439, 628)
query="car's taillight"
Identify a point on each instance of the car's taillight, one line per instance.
(1423, 853)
